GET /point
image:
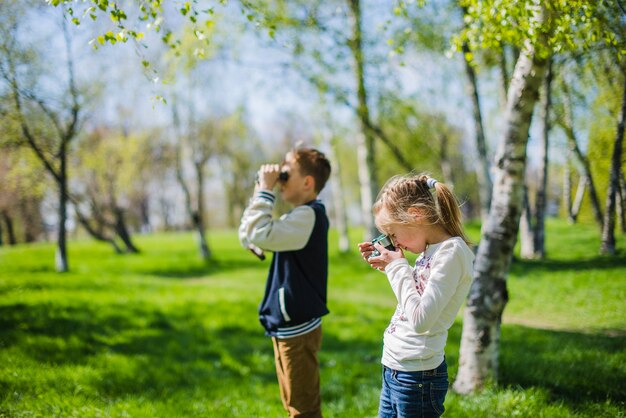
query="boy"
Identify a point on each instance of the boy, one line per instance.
(295, 292)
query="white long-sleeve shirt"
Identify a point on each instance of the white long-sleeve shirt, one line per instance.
(429, 298)
(288, 233)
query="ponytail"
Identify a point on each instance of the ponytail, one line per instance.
(434, 200)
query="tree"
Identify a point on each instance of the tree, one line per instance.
(565, 118)
(116, 169)
(48, 127)
(608, 232)
(550, 27)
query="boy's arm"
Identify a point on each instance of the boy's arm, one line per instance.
(288, 233)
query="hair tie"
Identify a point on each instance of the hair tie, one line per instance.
(431, 182)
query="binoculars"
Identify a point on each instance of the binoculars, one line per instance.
(282, 176)
(383, 240)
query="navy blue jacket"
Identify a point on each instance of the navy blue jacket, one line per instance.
(295, 291)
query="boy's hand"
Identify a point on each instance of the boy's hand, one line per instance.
(268, 176)
(385, 257)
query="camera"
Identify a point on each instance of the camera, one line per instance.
(383, 240)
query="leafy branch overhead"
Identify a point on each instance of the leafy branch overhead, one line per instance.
(147, 16)
(574, 26)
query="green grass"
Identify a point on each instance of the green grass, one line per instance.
(161, 334)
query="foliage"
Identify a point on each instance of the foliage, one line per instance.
(572, 25)
(163, 334)
(148, 12)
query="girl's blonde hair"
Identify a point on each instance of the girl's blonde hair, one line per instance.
(413, 191)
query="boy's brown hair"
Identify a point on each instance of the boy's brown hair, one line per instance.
(313, 163)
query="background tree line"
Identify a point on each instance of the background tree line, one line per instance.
(538, 126)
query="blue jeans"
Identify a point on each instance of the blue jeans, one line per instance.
(413, 394)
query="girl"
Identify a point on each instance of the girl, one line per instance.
(422, 216)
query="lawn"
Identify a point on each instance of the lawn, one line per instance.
(161, 334)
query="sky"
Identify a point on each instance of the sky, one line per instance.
(251, 71)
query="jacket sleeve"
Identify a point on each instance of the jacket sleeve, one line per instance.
(424, 310)
(288, 233)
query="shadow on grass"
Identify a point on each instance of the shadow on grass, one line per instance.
(139, 351)
(148, 352)
(526, 267)
(197, 268)
(574, 367)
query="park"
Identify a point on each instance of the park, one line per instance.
(131, 136)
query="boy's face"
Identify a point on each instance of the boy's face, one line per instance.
(296, 189)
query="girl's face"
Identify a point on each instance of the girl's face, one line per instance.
(416, 236)
(408, 237)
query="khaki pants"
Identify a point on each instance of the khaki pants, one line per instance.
(297, 369)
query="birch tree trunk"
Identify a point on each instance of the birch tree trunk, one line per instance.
(488, 296)
(66, 128)
(60, 256)
(567, 124)
(198, 217)
(367, 163)
(578, 199)
(341, 219)
(366, 188)
(482, 165)
(608, 232)
(527, 241)
(539, 249)
(567, 191)
(621, 203)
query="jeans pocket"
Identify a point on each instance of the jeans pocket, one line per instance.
(438, 391)
(407, 379)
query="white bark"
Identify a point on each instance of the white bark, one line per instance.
(580, 194)
(527, 241)
(367, 197)
(341, 221)
(478, 361)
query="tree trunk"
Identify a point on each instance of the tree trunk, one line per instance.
(444, 161)
(8, 223)
(341, 219)
(365, 182)
(539, 248)
(122, 231)
(504, 74)
(367, 163)
(488, 296)
(482, 165)
(567, 124)
(527, 241)
(608, 232)
(97, 235)
(61, 261)
(198, 217)
(144, 208)
(567, 191)
(578, 200)
(621, 203)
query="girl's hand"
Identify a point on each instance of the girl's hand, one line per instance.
(385, 257)
(366, 249)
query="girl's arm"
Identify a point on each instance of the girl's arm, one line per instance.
(448, 268)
